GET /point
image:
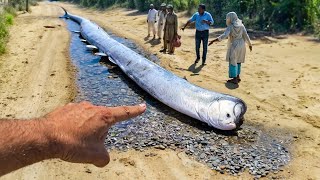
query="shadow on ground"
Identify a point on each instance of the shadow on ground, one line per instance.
(193, 68)
(150, 40)
(231, 85)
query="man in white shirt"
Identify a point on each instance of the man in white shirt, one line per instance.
(162, 18)
(151, 20)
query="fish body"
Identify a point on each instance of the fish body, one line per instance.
(218, 110)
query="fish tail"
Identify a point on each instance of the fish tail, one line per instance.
(66, 15)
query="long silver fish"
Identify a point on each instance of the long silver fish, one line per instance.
(221, 111)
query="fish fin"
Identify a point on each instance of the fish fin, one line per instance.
(112, 60)
(185, 78)
(105, 57)
(100, 54)
(91, 47)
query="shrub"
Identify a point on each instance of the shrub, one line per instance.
(10, 10)
(8, 18)
(3, 33)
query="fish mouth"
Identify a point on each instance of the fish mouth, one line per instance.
(242, 107)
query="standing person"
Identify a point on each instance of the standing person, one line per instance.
(151, 20)
(162, 19)
(237, 36)
(203, 21)
(170, 30)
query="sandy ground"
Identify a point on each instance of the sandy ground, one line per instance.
(279, 83)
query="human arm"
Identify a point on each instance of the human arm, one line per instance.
(184, 27)
(176, 25)
(209, 20)
(192, 19)
(211, 42)
(246, 37)
(155, 16)
(148, 16)
(74, 133)
(222, 36)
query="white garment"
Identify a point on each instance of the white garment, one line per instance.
(161, 22)
(151, 26)
(152, 15)
(237, 36)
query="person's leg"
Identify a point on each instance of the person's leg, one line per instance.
(165, 46)
(205, 38)
(238, 71)
(159, 30)
(233, 73)
(169, 47)
(198, 42)
(149, 28)
(154, 29)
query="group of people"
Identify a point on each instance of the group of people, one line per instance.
(235, 32)
(167, 23)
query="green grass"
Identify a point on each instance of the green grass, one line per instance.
(9, 19)
(4, 33)
(6, 20)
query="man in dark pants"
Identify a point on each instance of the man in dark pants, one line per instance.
(203, 21)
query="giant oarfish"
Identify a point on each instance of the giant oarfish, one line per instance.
(219, 110)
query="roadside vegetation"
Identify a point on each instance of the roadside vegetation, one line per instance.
(7, 14)
(267, 15)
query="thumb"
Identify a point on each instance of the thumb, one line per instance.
(101, 157)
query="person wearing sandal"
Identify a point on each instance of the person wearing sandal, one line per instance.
(237, 37)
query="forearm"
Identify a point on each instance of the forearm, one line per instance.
(186, 24)
(23, 142)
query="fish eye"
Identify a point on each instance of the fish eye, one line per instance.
(228, 115)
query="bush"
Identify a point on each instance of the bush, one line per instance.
(317, 29)
(3, 33)
(192, 6)
(10, 10)
(269, 15)
(8, 19)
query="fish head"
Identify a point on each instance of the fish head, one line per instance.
(226, 113)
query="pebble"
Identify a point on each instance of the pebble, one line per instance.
(203, 155)
(160, 147)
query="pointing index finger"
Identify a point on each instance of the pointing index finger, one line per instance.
(126, 112)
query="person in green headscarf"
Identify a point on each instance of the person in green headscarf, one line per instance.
(237, 37)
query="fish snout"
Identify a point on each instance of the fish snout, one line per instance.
(239, 111)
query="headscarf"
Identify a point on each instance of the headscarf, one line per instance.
(170, 7)
(235, 24)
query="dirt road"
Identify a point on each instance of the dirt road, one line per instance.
(279, 84)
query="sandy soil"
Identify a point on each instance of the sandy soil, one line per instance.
(280, 86)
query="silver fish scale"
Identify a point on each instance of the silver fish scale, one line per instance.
(163, 85)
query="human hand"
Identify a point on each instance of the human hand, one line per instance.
(211, 42)
(77, 131)
(205, 21)
(250, 47)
